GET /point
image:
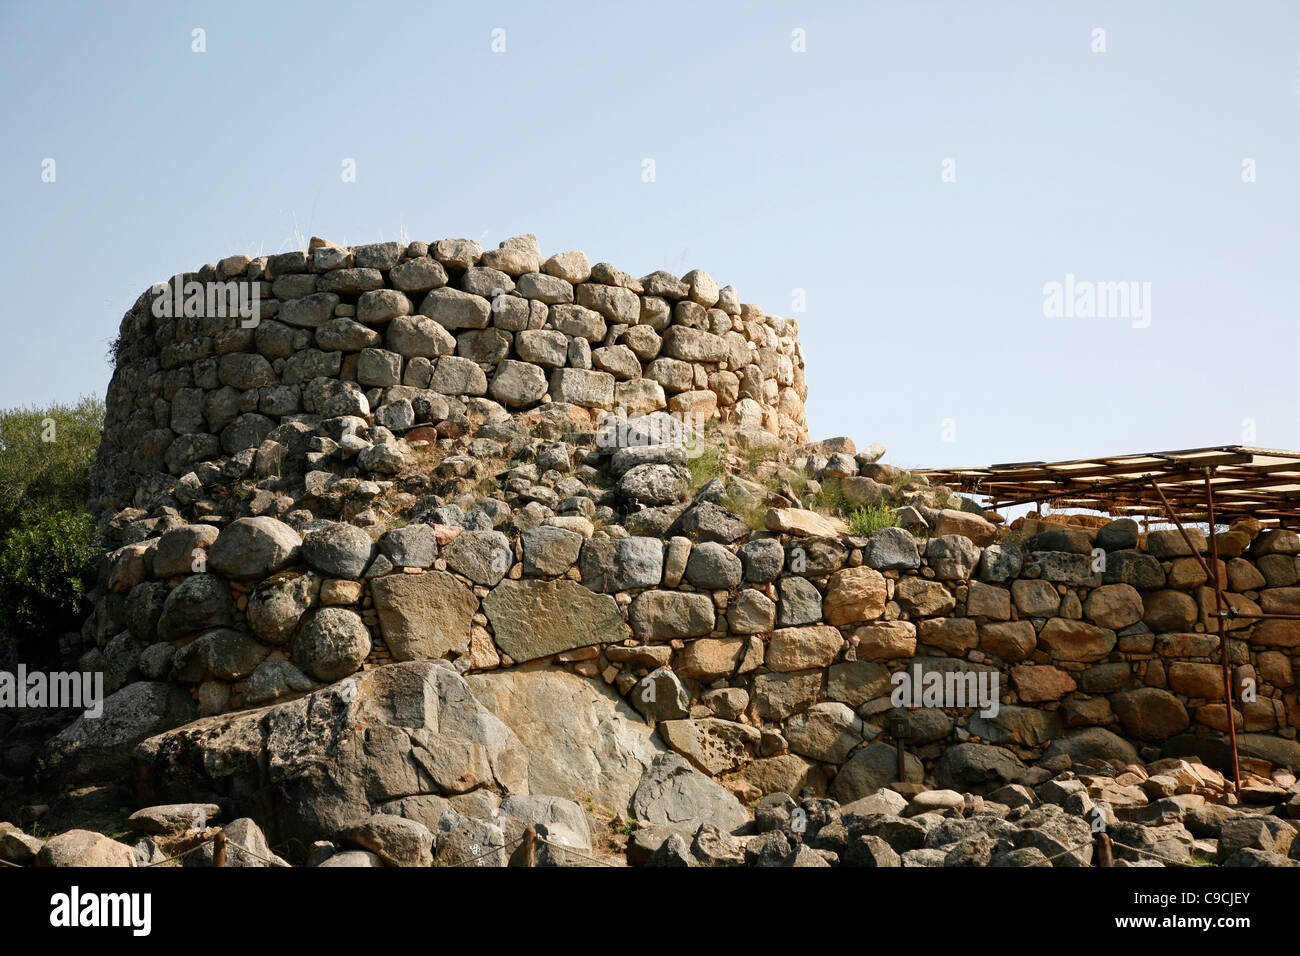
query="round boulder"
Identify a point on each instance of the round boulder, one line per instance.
(870, 770)
(144, 606)
(254, 548)
(337, 549)
(1150, 713)
(276, 604)
(762, 559)
(712, 565)
(1094, 743)
(654, 485)
(517, 384)
(977, 768)
(333, 644)
(196, 604)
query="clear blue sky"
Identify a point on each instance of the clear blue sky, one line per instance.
(775, 171)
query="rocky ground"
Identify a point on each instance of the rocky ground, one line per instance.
(1189, 819)
(345, 755)
(365, 607)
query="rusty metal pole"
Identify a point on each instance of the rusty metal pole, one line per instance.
(529, 856)
(219, 849)
(1232, 612)
(1223, 634)
(1104, 855)
(1173, 516)
(1212, 576)
(899, 730)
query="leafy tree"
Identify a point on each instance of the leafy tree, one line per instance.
(48, 544)
(46, 567)
(45, 458)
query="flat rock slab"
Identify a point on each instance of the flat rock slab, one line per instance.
(584, 740)
(173, 817)
(423, 616)
(532, 619)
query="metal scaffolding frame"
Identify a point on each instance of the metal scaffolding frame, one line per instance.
(1208, 485)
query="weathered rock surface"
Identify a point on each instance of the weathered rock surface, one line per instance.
(673, 792)
(583, 739)
(424, 616)
(312, 767)
(532, 619)
(101, 748)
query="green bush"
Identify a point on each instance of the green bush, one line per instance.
(45, 459)
(46, 567)
(863, 521)
(48, 545)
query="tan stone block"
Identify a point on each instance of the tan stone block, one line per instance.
(1196, 680)
(1216, 716)
(802, 648)
(854, 595)
(1275, 668)
(1068, 640)
(1039, 682)
(956, 635)
(1012, 640)
(1115, 606)
(886, 640)
(709, 658)
(988, 601)
(337, 591)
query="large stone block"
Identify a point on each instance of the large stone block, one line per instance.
(424, 616)
(854, 595)
(663, 615)
(532, 619)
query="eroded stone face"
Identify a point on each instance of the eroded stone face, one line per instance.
(424, 616)
(659, 615)
(276, 606)
(333, 644)
(308, 775)
(532, 619)
(582, 738)
(254, 547)
(854, 595)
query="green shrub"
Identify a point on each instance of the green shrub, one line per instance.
(829, 500)
(46, 567)
(705, 466)
(46, 456)
(863, 521)
(48, 545)
(752, 509)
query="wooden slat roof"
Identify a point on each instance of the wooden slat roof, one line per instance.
(1263, 483)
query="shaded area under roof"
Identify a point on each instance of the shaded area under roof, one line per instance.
(1263, 483)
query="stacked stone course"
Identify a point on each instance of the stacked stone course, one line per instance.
(241, 469)
(426, 338)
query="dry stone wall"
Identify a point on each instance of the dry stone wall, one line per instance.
(425, 338)
(246, 472)
(765, 659)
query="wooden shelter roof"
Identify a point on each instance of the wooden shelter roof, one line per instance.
(1263, 483)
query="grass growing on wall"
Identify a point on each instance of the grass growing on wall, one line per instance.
(706, 465)
(863, 521)
(829, 499)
